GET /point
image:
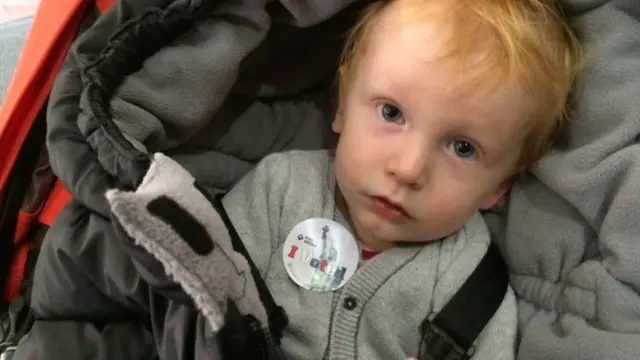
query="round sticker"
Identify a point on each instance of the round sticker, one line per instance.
(320, 254)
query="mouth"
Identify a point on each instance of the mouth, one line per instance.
(389, 209)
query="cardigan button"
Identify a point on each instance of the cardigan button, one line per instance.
(350, 303)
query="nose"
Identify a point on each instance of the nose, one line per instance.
(408, 164)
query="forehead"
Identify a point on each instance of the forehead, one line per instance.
(407, 41)
(399, 23)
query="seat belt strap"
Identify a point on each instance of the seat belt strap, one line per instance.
(278, 319)
(450, 335)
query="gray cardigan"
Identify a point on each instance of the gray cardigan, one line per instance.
(393, 292)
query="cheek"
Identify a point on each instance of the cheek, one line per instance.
(451, 207)
(448, 206)
(366, 140)
(357, 141)
(445, 219)
(349, 159)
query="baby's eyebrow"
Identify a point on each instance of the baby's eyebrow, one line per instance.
(488, 137)
(383, 84)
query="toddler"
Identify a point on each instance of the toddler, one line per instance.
(441, 105)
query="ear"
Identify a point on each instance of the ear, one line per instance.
(338, 122)
(493, 198)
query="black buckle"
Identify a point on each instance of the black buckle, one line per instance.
(278, 321)
(438, 345)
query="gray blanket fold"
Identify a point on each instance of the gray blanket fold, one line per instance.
(182, 87)
(218, 158)
(572, 235)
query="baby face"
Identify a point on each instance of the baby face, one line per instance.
(419, 153)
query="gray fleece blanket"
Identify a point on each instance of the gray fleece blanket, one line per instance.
(569, 230)
(572, 231)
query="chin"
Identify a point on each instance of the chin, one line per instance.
(373, 224)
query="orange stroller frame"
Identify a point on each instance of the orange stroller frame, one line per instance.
(54, 28)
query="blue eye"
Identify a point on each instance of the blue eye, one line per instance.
(463, 149)
(389, 113)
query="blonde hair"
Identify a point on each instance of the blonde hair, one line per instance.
(526, 43)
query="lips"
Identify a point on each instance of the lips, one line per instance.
(389, 210)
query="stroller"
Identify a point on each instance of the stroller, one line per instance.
(51, 101)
